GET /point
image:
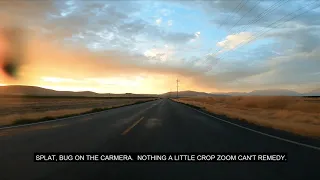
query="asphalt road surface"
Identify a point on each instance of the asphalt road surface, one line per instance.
(157, 126)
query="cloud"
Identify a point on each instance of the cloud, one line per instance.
(165, 12)
(304, 39)
(121, 39)
(163, 54)
(30, 10)
(294, 71)
(121, 30)
(178, 37)
(49, 62)
(234, 40)
(158, 21)
(196, 36)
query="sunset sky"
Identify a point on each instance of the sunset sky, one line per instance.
(144, 46)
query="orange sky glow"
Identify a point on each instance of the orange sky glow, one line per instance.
(56, 67)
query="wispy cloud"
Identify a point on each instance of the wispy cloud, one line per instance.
(196, 36)
(234, 40)
(158, 21)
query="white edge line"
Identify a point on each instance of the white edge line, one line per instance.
(258, 132)
(50, 121)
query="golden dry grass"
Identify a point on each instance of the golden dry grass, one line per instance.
(14, 131)
(8, 119)
(9, 106)
(33, 109)
(294, 114)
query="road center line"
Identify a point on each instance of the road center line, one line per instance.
(132, 126)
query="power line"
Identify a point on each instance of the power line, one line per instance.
(245, 15)
(241, 4)
(232, 12)
(238, 8)
(250, 38)
(266, 12)
(293, 17)
(178, 87)
(261, 15)
(241, 7)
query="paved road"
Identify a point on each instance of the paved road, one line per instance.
(164, 126)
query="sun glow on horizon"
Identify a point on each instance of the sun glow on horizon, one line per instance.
(68, 88)
(139, 84)
(116, 84)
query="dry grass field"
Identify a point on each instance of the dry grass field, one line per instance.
(294, 114)
(13, 110)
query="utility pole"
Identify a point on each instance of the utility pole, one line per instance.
(178, 88)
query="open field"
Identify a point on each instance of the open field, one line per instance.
(294, 114)
(19, 110)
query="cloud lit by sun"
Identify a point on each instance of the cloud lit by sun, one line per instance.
(143, 47)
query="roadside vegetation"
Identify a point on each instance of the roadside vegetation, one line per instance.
(15, 111)
(294, 114)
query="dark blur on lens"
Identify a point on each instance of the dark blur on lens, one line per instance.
(11, 51)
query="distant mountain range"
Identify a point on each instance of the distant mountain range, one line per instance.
(274, 92)
(315, 92)
(38, 91)
(268, 92)
(190, 94)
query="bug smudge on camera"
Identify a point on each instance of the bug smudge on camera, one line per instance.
(12, 47)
